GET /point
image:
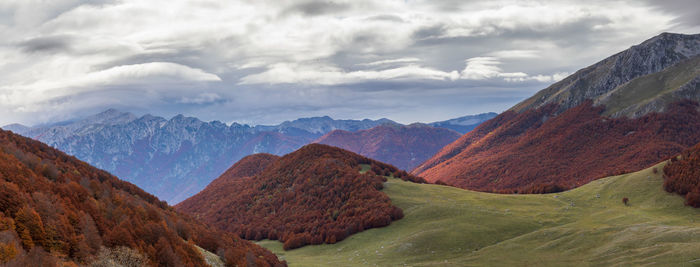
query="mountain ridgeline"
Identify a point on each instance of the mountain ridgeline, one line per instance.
(58, 211)
(623, 114)
(317, 194)
(177, 158)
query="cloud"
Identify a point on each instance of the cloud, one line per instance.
(204, 98)
(391, 61)
(47, 44)
(315, 8)
(68, 57)
(327, 75)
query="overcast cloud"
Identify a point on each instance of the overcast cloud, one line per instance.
(268, 61)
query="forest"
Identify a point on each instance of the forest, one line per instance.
(58, 211)
(682, 176)
(315, 195)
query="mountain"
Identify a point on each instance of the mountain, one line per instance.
(317, 194)
(622, 114)
(464, 124)
(176, 158)
(322, 125)
(682, 176)
(58, 211)
(402, 146)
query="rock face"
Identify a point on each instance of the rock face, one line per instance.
(464, 124)
(177, 158)
(598, 80)
(622, 114)
(402, 146)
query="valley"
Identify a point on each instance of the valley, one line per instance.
(589, 225)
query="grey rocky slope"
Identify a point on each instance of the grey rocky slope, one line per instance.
(641, 79)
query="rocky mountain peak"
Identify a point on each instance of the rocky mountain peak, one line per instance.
(651, 56)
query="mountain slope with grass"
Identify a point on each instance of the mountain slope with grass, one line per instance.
(589, 225)
(56, 210)
(622, 114)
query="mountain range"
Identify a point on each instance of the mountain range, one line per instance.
(176, 158)
(622, 114)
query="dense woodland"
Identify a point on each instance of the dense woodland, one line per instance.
(315, 195)
(682, 176)
(538, 152)
(56, 210)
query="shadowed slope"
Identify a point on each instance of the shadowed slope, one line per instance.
(402, 146)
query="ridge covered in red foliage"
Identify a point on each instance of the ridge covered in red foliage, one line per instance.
(537, 152)
(402, 146)
(56, 210)
(314, 195)
(682, 176)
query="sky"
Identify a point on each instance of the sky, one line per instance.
(264, 62)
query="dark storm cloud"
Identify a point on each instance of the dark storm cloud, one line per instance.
(47, 44)
(316, 8)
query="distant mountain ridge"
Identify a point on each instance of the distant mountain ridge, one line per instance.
(177, 157)
(464, 124)
(622, 114)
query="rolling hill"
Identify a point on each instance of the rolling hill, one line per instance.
(587, 226)
(317, 194)
(402, 146)
(622, 114)
(58, 211)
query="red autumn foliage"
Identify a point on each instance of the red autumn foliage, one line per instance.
(682, 176)
(537, 151)
(402, 146)
(61, 209)
(311, 196)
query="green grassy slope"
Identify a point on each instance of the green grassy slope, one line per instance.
(446, 226)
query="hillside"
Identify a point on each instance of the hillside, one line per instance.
(402, 146)
(177, 157)
(55, 210)
(623, 114)
(587, 226)
(314, 195)
(682, 176)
